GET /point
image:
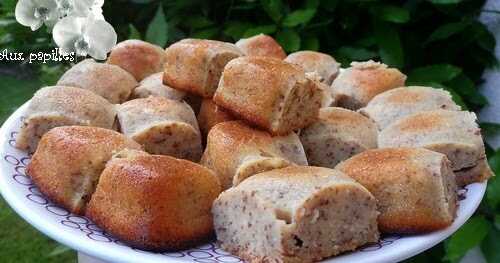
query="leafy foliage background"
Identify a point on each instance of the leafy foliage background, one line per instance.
(435, 42)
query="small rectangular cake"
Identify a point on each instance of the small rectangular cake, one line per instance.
(270, 93)
(295, 214)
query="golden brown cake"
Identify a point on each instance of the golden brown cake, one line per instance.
(270, 93)
(453, 133)
(337, 135)
(69, 160)
(236, 151)
(162, 126)
(155, 202)
(210, 114)
(195, 65)
(109, 81)
(62, 106)
(392, 105)
(140, 59)
(415, 188)
(311, 61)
(153, 86)
(261, 45)
(357, 85)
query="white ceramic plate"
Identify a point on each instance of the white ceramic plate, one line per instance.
(81, 234)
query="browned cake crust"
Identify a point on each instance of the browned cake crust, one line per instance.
(110, 81)
(195, 65)
(357, 85)
(162, 126)
(236, 151)
(155, 202)
(453, 133)
(337, 135)
(415, 187)
(153, 86)
(69, 160)
(269, 93)
(395, 104)
(261, 45)
(295, 214)
(210, 114)
(322, 64)
(139, 58)
(62, 106)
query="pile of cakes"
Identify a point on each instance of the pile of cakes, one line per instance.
(165, 148)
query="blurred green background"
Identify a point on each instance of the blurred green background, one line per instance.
(438, 43)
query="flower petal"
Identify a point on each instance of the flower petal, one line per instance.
(51, 6)
(25, 13)
(80, 8)
(67, 31)
(101, 37)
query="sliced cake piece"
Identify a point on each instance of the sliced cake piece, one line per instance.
(295, 214)
(69, 160)
(261, 45)
(109, 81)
(236, 151)
(415, 188)
(140, 59)
(269, 93)
(153, 86)
(162, 126)
(392, 105)
(195, 65)
(357, 85)
(311, 61)
(453, 133)
(62, 106)
(337, 135)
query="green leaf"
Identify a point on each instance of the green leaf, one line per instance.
(206, 33)
(466, 88)
(236, 30)
(134, 33)
(265, 29)
(356, 54)
(299, 17)
(197, 22)
(494, 163)
(497, 221)
(446, 30)
(493, 192)
(491, 246)
(438, 73)
(310, 43)
(273, 8)
(157, 32)
(467, 237)
(390, 49)
(489, 128)
(312, 4)
(288, 39)
(392, 13)
(329, 5)
(445, 2)
(493, 189)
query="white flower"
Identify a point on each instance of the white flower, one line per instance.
(35, 13)
(81, 8)
(84, 36)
